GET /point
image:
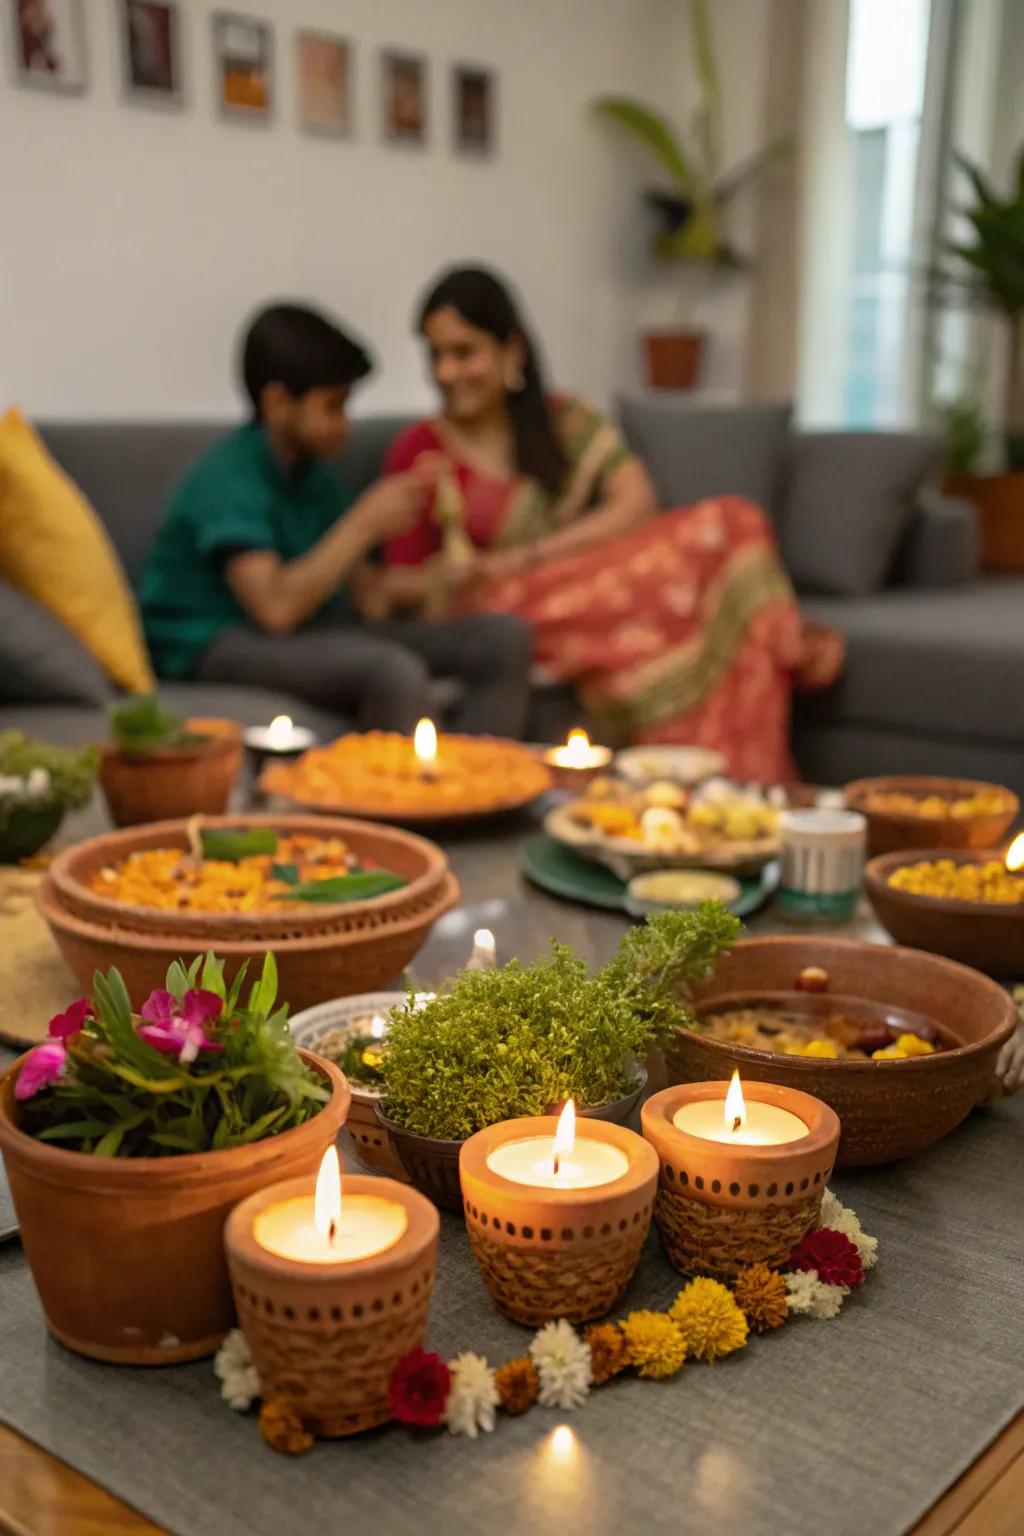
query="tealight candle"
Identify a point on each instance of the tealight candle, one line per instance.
(324, 1229)
(737, 1123)
(485, 951)
(562, 1161)
(578, 761)
(281, 738)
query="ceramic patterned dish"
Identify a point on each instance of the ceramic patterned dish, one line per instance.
(627, 856)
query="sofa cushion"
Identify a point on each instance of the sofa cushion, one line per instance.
(946, 661)
(40, 660)
(848, 503)
(692, 451)
(363, 460)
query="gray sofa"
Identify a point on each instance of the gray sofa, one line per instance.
(934, 678)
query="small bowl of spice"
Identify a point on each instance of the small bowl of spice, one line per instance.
(906, 811)
(967, 904)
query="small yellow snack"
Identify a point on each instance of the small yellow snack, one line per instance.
(828, 1050)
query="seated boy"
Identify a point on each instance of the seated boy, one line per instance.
(251, 577)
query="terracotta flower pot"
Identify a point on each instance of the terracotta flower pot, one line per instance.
(999, 503)
(174, 781)
(128, 1253)
(674, 358)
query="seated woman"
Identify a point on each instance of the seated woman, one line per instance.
(674, 628)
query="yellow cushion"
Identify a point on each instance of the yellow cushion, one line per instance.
(54, 548)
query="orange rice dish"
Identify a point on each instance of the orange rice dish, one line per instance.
(379, 773)
(173, 880)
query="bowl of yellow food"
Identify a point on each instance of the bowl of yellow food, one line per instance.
(907, 811)
(962, 903)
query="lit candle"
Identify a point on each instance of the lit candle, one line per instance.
(561, 1161)
(1015, 854)
(733, 1121)
(424, 744)
(484, 951)
(324, 1229)
(281, 738)
(578, 753)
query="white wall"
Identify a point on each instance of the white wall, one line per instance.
(133, 241)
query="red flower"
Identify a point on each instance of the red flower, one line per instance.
(68, 1023)
(832, 1254)
(419, 1389)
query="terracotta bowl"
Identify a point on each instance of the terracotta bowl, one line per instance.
(174, 781)
(889, 833)
(986, 934)
(889, 1110)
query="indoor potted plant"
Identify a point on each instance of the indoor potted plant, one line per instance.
(159, 765)
(38, 785)
(520, 1040)
(693, 206)
(127, 1140)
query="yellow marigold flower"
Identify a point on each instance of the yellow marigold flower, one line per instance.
(609, 1353)
(656, 1346)
(707, 1316)
(518, 1384)
(760, 1294)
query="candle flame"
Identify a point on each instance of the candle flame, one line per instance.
(735, 1104)
(377, 1027)
(1015, 853)
(424, 742)
(484, 944)
(563, 1444)
(327, 1201)
(279, 730)
(577, 749)
(565, 1134)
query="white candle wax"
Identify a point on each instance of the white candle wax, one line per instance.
(578, 752)
(279, 736)
(368, 1225)
(531, 1161)
(765, 1125)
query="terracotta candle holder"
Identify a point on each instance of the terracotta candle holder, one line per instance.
(326, 1336)
(573, 766)
(547, 1251)
(725, 1203)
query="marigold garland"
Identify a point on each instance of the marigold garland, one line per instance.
(609, 1353)
(656, 1346)
(760, 1294)
(282, 1428)
(706, 1314)
(518, 1384)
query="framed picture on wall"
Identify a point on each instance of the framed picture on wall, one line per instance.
(243, 58)
(151, 50)
(473, 103)
(49, 44)
(324, 65)
(404, 82)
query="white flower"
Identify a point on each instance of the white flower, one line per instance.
(840, 1218)
(239, 1381)
(473, 1396)
(38, 783)
(563, 1365)
(810, 1296)
(11, 786)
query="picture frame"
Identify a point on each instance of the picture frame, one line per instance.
(324, 83)
(48, 45)
(474, 110)
(243, 54)
(152, 62)
(404, 97)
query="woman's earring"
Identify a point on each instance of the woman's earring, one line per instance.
(515, 381)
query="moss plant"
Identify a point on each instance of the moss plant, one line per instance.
(520, 1039)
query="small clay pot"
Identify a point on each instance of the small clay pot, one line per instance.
(721, 1207)
(174, 781)
(889, 832)
(674, 358)
(549, 1253)
(325, 1338)
(127, 1254)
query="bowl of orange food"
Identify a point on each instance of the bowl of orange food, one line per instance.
(381, 775)
(343, 904)
(959, 902)
(907, 811)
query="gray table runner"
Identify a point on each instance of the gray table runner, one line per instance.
(850, 1426)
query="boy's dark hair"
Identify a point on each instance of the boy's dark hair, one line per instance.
(291, 345)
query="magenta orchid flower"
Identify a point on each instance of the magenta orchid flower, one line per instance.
(179, 1029)
(71, 1020)
(42, 1066)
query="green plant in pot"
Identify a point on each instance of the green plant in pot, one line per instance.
(39, 784)
(692, 203)
(127, 1140)
(521, 1039)
(159, 765)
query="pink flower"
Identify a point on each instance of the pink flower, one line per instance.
(71, 1020)
(180, 1029)
(42, 1066)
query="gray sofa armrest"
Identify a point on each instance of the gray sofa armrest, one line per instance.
(941, 547)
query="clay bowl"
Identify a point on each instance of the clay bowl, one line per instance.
(890, 1109)
(173, 781)
(986, 934)
(888, 833)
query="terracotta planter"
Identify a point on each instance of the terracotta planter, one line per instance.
(173, 781)
(674, 358)
(986, 934)
(722, 1207)
(889, 1110)
(999, 502)
(550, 1253)
(326, 1337)
(127, 1253)
(888, 832)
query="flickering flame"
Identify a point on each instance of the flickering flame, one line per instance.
(484, 947)
(577, 750)
(562, 1443)
(377, 1027)
(279, 730)
(1015, 853)
(424, 743)
(735, 1105)
(327, 1201)
(565, 1133)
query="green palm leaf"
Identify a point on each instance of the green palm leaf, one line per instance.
(655, 133)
